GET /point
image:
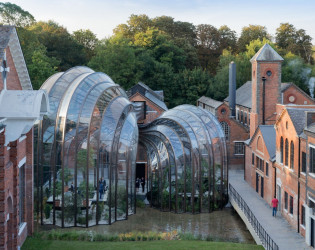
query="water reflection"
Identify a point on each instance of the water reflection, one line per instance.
(224, 224)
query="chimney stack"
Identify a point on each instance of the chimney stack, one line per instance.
(232, 87)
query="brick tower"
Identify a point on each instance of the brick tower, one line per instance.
(266, 87)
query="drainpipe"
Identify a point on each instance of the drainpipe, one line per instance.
(263, 100)
(298, 208)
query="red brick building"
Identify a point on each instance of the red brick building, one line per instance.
(248, 104)
(149, 105)
(20, 107)
(278, 150)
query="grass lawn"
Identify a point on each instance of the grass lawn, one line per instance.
(36, 244)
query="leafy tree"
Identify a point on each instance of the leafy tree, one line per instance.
(60, 44)
(87, 39)
(13, 14)
(296, 41)
(250, 33)
(227, 38)
(41, 67)
(208, 44)
(295, 70)
(118, 61)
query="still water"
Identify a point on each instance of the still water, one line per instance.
(223, 224)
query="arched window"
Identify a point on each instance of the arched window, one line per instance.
(292, 155)
(226, 130)
(286, 160)
(281, 150)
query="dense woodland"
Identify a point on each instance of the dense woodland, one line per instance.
(185, 60)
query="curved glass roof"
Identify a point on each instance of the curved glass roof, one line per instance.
(187, 160)
(86, 151)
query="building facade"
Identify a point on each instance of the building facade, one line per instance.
(277, 155)
(20, 107)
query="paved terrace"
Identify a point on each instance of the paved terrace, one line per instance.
(277, 227)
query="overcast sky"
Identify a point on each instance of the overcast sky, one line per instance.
(102, 16)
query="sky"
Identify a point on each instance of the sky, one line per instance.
(102, 16)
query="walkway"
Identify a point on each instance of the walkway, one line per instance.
(277, 227)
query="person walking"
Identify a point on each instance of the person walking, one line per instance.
(101, 189)
(274, 206)
(142, 184)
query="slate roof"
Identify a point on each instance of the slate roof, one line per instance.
(144, 90)
(267, 53)
(298, 118)
(9, 38)
(5, 33)
(243, 95)
(269, 134)
(210, 102)
(310, 128)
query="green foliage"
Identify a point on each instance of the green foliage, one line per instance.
(47, 210)
(295, 70)
(250, 33)
(88, 40)
(13, 14)
(60, 44)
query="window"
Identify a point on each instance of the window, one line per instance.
(21, 194)
(241, 116)
(281, 150)
(303, 216)
(312, 160)
(238, 114)
(286, 159)
(291, 204)
(291, 155)
(248, 118)
(253, 159)
(286, 200)
(226, 130)
(267, 169)
(245, 117)
(303, 162)
(260, 164)
(223, 111)
(239, 148)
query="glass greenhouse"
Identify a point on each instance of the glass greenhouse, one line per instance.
(86, 151)
(187, 161)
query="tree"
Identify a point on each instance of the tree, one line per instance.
(208, 44)
(296, 41)
(40, 66)
(295, 70)
(250, 33)
(118, 61)
(60, 44)
(87, 39)
(227, 38)
(13, 14)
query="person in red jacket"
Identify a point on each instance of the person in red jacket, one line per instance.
(274, 206)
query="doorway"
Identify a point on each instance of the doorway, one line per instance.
(279, 198)
(140, 170)
(262, 187)
(257, 182)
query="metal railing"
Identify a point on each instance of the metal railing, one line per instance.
(266, 240)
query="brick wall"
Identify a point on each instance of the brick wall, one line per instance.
(13, 81)
(149, 116)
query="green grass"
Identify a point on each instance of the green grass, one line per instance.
(37, 244)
